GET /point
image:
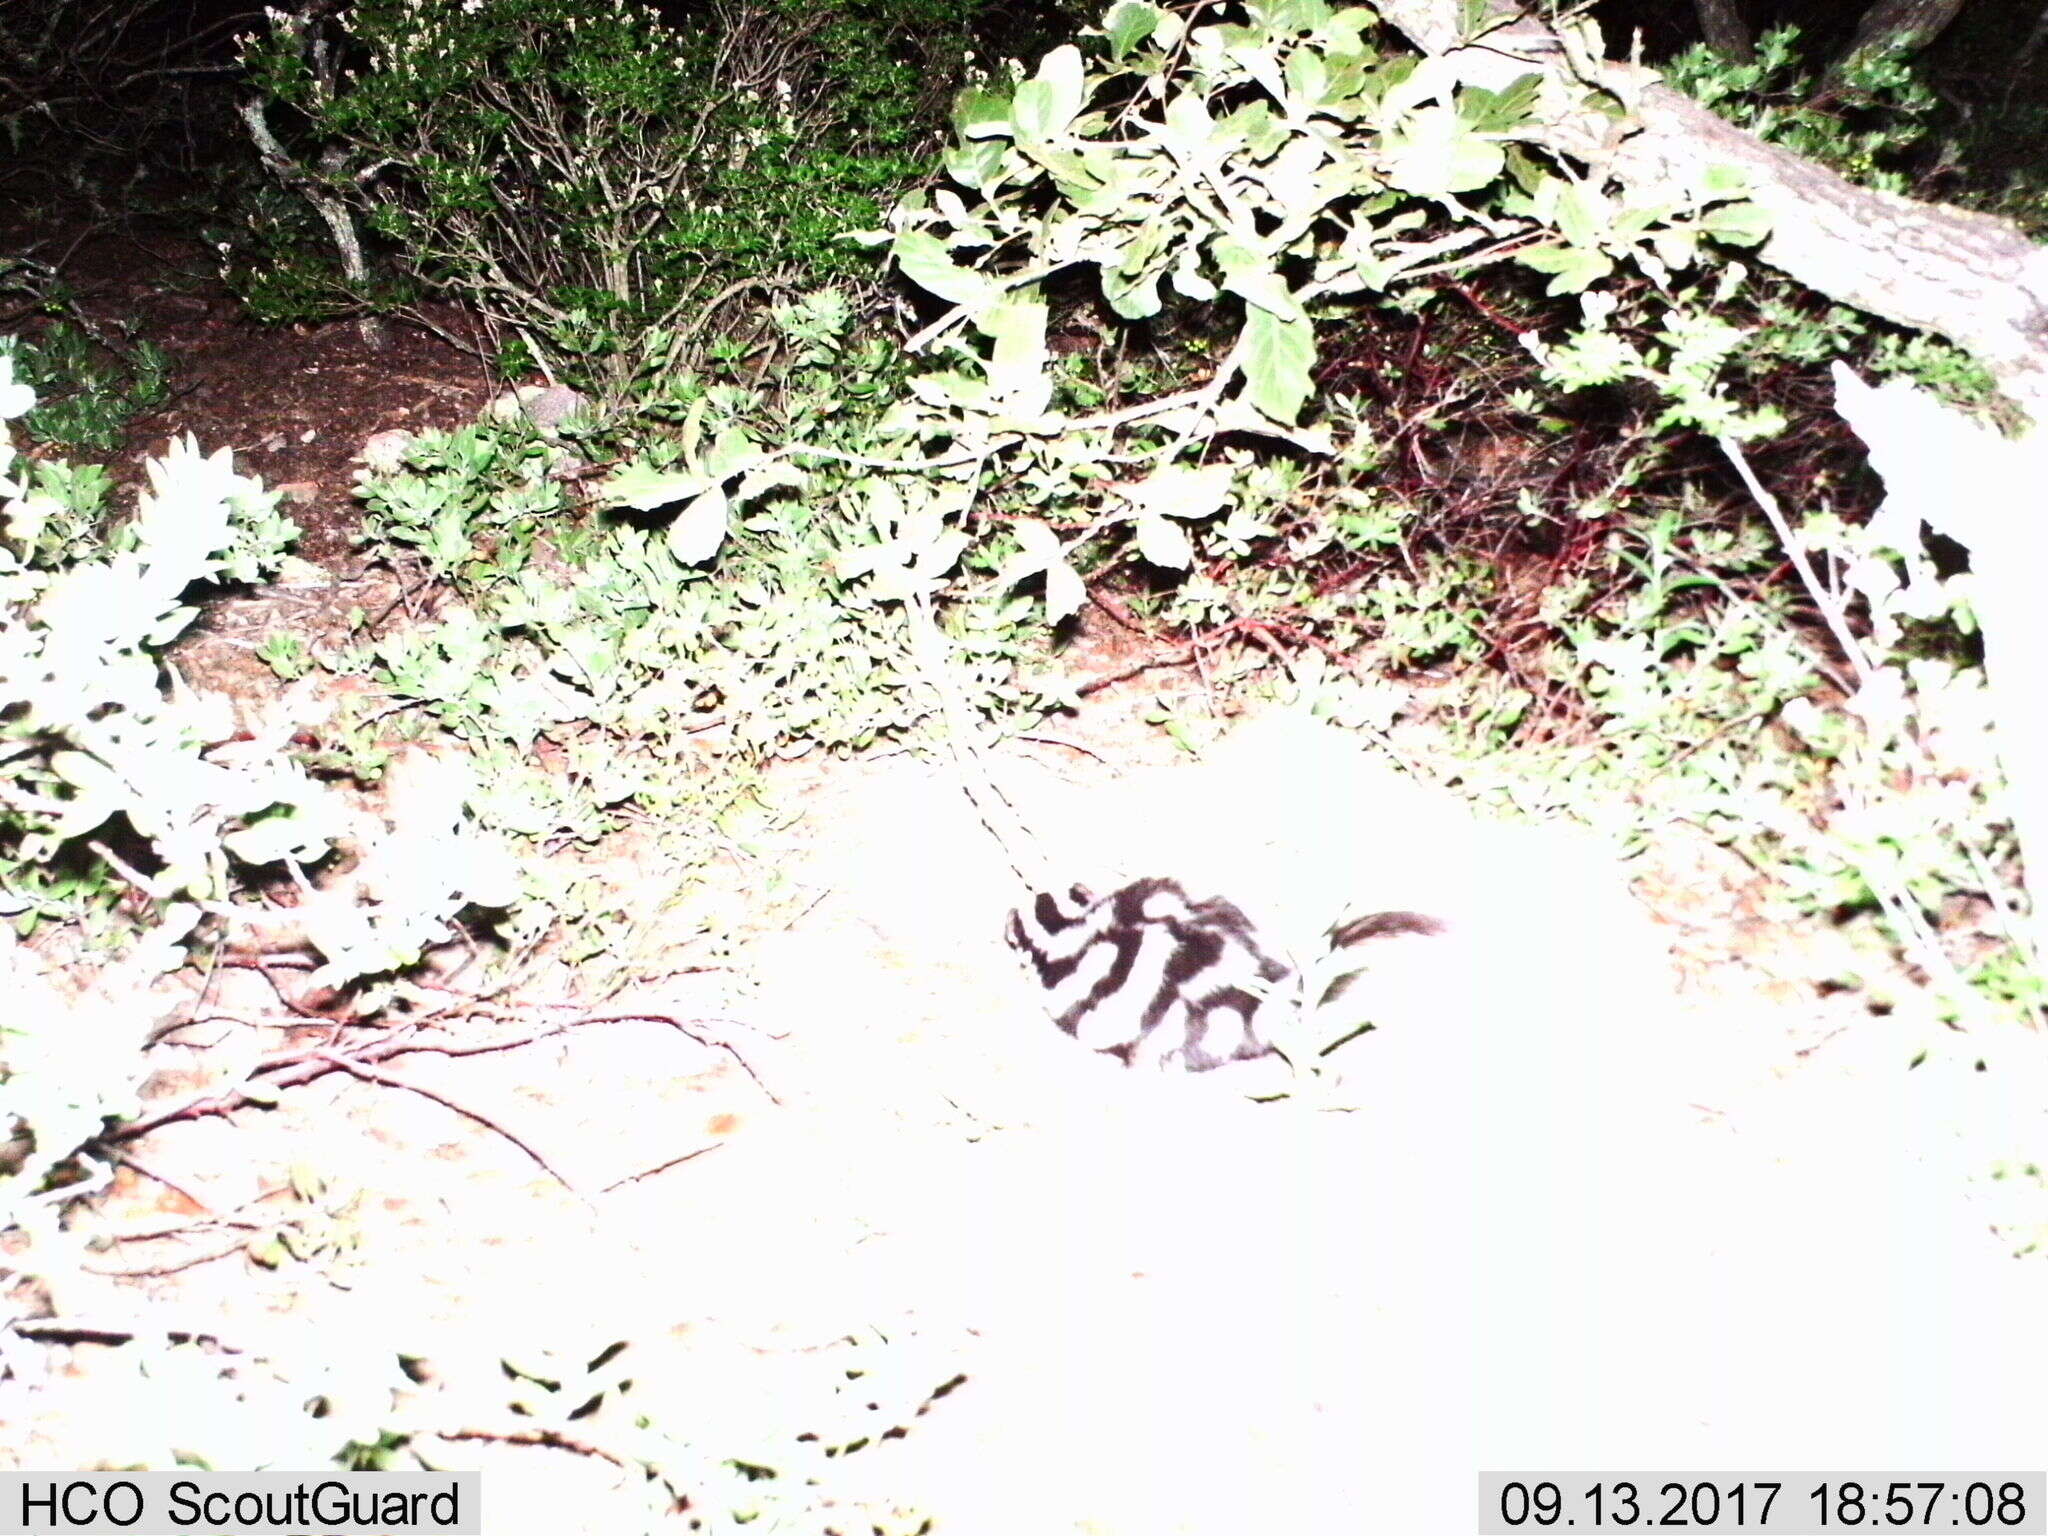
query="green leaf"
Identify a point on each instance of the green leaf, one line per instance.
(1037, 547)
(692, 433)
(1388, 76)
(1501, 111)
(1163, 542)
(1261, 129)
(1134, 297)
(284, 835)
(950, 390)
(1723, 181)
(1046, 104)
(1573, 269)
(1434, 154)
(1187, 129)
(1591, 358)
(940, 555)
(1064, 592)
(1308, 81)
(1250, 273)
(1183, 491)
(1582, 214)
(646, 489)
(1737, 223)
(1433, 78)
(731, 451)
(1129, 23)
(1188, 279)
(768, 475)
(1277, 358)
(1252, 49)
(1475, 20)
(98, 792)
(1528, 174)
(1293, 16)
(1263, 287)
(697, 534)
(1344, 32)
(979, 113)
(1075, 177)
(1674, 248)
(926, 262)
(973, 165)
(1039, 553)
(1017, 326)
(1297, 183)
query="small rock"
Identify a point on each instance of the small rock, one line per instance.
(300, 491)
(294, 572)
(546, 406)
(385, 451)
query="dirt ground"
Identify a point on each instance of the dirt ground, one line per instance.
(1616, 1183)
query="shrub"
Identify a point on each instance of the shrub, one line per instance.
(581, 174)
(87, 392)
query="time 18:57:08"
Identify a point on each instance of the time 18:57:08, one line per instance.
(1748, 1504)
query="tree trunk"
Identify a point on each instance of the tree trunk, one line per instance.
(1970, 277)
(1900, 26)
(1727, 32)
(334, 213)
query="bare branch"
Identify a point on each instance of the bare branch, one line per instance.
(335, 213)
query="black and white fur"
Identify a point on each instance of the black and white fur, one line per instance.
(1153, 977)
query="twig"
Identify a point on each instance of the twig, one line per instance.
(541, 1437)
(2010, 924)
(384, 1079)
(163, 1271)
(1042, 739)
(932, 659)
(296, 1068)
(129, 1160)
(1830, 607)
(293, 1069)
(1903, 909)
(488, 1048)
(716, 302)
(128, 872)
(1122, 615)
(661, 1167)
(713, 1042)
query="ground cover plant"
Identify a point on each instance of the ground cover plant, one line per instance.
(89, 391)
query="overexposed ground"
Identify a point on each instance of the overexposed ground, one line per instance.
(1560, 1214)
(1570, 1220)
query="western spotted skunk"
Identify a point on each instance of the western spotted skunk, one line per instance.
(1150, 976)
